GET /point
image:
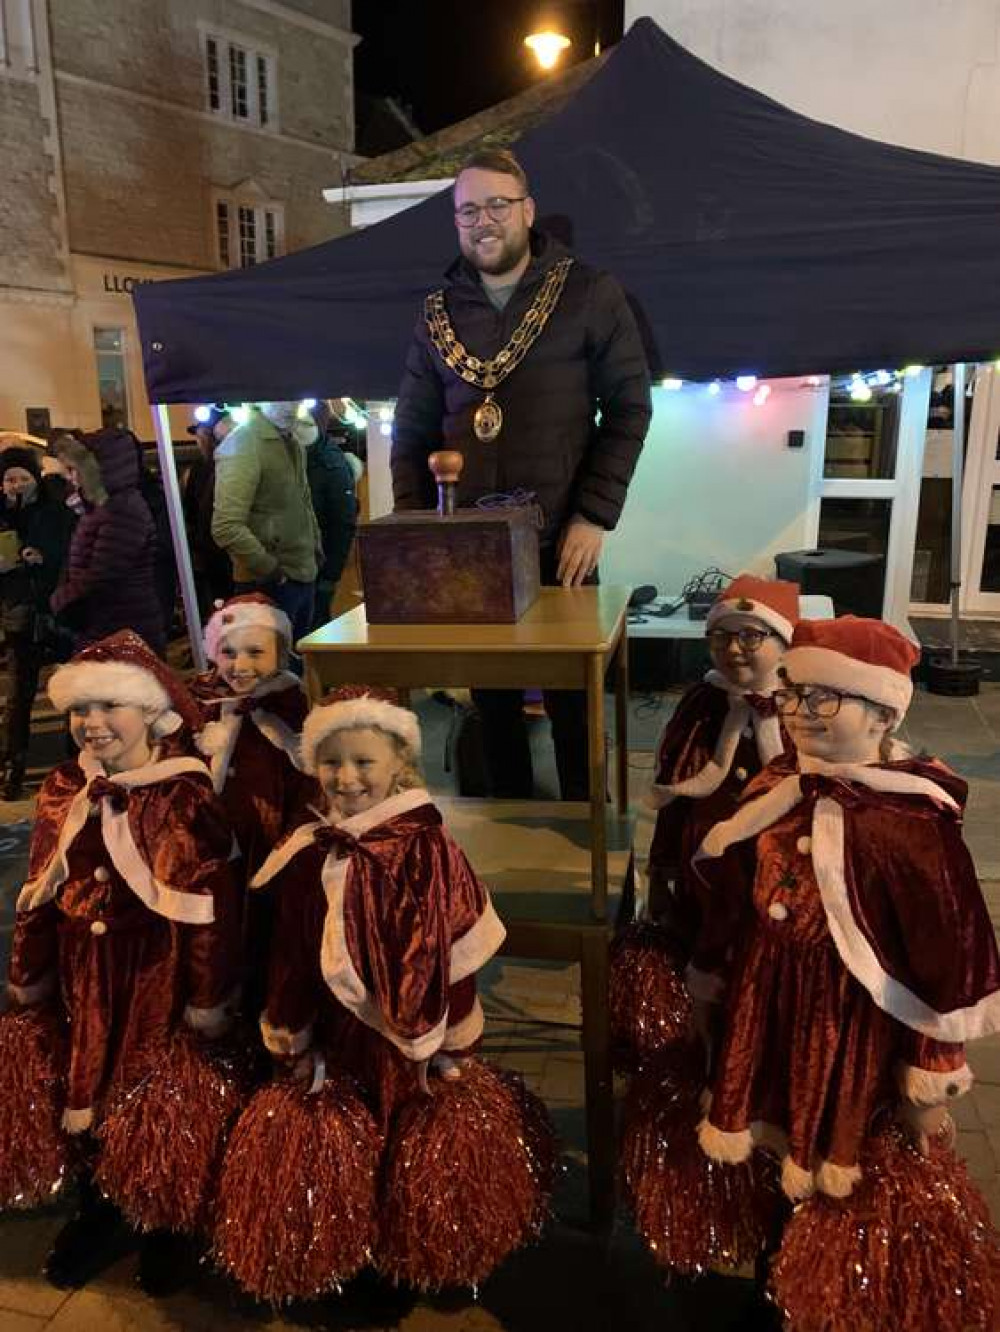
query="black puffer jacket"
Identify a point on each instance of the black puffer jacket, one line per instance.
(589, 357)
(335, 503)
(47, 525)
(110, 580)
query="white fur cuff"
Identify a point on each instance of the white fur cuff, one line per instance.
(837, 1181)
(924, 1086)
(208, 1021)
(78, 1121)
(282, 1042)
(727, 1148)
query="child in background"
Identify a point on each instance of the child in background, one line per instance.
(724, 730)
(253, 709)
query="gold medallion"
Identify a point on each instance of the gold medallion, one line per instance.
(487, 422)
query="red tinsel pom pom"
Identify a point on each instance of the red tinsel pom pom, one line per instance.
(466, 1179)
(35, 1159)
(295, 1212)
(912, 1248)
(693, 1213)
(161, 1141)
(650, 1006)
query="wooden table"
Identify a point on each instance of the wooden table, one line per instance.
(534, 857)
(567, 640)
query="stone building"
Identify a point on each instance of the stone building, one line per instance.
(142, 140)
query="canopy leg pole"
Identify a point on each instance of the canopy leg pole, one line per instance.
(957, 467)
(178, 531)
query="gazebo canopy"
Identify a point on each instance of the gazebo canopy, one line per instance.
(750, 239)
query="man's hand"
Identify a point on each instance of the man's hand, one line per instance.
(579, 551)
(31, 556)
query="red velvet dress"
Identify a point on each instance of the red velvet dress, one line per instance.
(129, 917)
(382, 925)
(845, 909)
(693, 749)
(252, 746)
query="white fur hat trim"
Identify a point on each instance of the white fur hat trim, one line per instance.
(762, 613)
(249, 615)
(113, 682)
(835, 670)
(351, 715)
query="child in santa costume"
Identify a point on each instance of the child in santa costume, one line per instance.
(861, 949)
(254, 708)
(845, 942)
(723, 732)
(381, 927)
(127, 924)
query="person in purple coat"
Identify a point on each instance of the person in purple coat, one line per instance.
(110, 579)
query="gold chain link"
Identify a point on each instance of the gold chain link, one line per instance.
(487, 374)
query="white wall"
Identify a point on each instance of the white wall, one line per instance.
(718, 485)
(923, 73)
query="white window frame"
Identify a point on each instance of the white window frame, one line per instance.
(902, 491)
(248, 197)
(18, 41)
(982, 473)
(254, 51)
(111, 326)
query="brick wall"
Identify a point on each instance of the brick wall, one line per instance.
(29, 253)
(155, 49)
(139, 180)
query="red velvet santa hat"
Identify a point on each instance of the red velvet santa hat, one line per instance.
(351, 707)
(124, 669)
(770, 601)
(250, 610)
(856, 656)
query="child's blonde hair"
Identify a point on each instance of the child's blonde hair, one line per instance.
(410, 776)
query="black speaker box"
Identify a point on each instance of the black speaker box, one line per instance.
(853, 579)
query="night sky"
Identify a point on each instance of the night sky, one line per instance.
(447, 59)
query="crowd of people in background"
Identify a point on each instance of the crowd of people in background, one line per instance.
(86, 549)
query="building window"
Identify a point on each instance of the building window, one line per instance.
(212, 71)
(112, 381)
(247, 231)
(240, 82)
(222, 232)
(18, 54)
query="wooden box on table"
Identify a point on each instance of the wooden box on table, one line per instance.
(476, 566)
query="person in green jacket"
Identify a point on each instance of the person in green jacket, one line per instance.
(263, 516)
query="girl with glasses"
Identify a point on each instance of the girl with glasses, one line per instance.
(846, 940)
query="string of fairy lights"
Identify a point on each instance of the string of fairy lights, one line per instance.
(859, 386)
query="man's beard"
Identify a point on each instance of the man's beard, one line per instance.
(509, 255)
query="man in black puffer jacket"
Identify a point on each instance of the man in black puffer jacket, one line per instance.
(575, 413)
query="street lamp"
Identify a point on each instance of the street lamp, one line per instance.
(547, 46)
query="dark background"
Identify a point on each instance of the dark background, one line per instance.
(447, 59)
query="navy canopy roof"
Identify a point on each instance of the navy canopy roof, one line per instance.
(749, 237)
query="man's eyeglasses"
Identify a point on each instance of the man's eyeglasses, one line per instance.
(750, 640)
(817, 702)
(496, 209)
